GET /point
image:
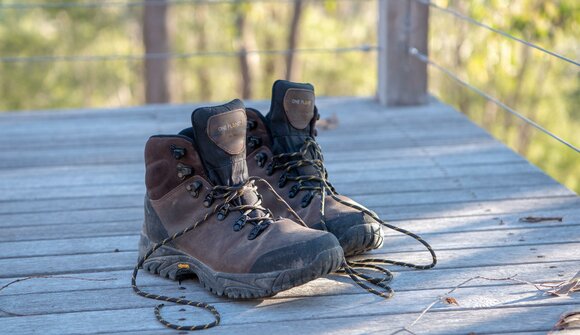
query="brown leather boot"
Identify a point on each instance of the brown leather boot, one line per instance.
(282, 149)
(203, 215)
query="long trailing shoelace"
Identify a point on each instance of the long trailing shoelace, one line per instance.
(231, 196)
(316, 181)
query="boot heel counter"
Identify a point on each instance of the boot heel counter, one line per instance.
(152, 226)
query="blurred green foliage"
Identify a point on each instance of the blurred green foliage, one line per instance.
(541, 87)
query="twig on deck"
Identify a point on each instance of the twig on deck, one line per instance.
(46, 277)
(57, 277)
(442, 297)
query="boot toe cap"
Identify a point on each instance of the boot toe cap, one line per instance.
(322, 254)
(357, 232)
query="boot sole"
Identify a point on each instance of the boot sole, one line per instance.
(361, 238)
(170, 263)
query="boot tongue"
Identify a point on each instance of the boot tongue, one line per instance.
(220, 134)
(291, 115)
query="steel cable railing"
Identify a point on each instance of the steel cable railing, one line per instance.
(90, 58)
(495, 30)
(425, 59)
(134, 3)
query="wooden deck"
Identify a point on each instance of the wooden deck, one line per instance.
(71, 192)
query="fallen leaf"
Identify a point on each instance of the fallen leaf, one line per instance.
(569, 320)
(450, 301)
(566, 287)
(536, 219)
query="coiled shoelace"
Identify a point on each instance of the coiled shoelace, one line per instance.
(230, 196)
(317, 182)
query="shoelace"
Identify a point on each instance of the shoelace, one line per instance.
(229, 194)
(317, 182)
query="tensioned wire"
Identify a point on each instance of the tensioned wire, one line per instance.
(425, 59)
(497, 31)
(101, 4)
(165, 55)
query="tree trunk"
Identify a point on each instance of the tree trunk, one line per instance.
(203, 75)
(155, 41)
(246, 78)
(293, 40)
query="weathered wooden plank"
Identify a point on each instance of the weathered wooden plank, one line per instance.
(121, 117)
(133, 133)
(340, 161)
(441, 225)
(102, 155)
(468, 208)
(281, 311)
(136, 133)
(404, 185)
(328, 285)
(393, 242)
(522, 206)
(130, 132)
(452, 258)
(361, 302)
(375, 200)
(123, 174)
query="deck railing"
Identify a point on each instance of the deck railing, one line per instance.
(402, 46)
(403, 57)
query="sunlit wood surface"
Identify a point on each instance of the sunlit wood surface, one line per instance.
(71, 193)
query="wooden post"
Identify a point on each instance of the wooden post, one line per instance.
(155, 40)
(403, 24)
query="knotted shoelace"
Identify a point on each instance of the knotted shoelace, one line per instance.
(232, 200)
(317, 182)
(305, 182)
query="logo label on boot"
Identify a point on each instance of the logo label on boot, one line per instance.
(228, 131)
(299, 107)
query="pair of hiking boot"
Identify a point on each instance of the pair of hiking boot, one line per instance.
(242, 202)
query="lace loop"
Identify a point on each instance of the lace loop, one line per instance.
(229, 195)
(317, 182)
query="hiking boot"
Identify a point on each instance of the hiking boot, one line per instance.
(282, 149)
(205, 211)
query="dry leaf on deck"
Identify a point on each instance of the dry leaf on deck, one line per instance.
(450, 301)
(566, 287)
(568, 321)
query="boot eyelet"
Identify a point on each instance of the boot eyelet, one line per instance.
(307, 199)
(177, 152)
(251, 124)
(184, 171)
(270, 169)
(293, 191)
(261, 159)
(282, 181)
(239, 224)
(258, 229)
(208, 199)
(194, 188)
(254, 142)
(223, 212)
